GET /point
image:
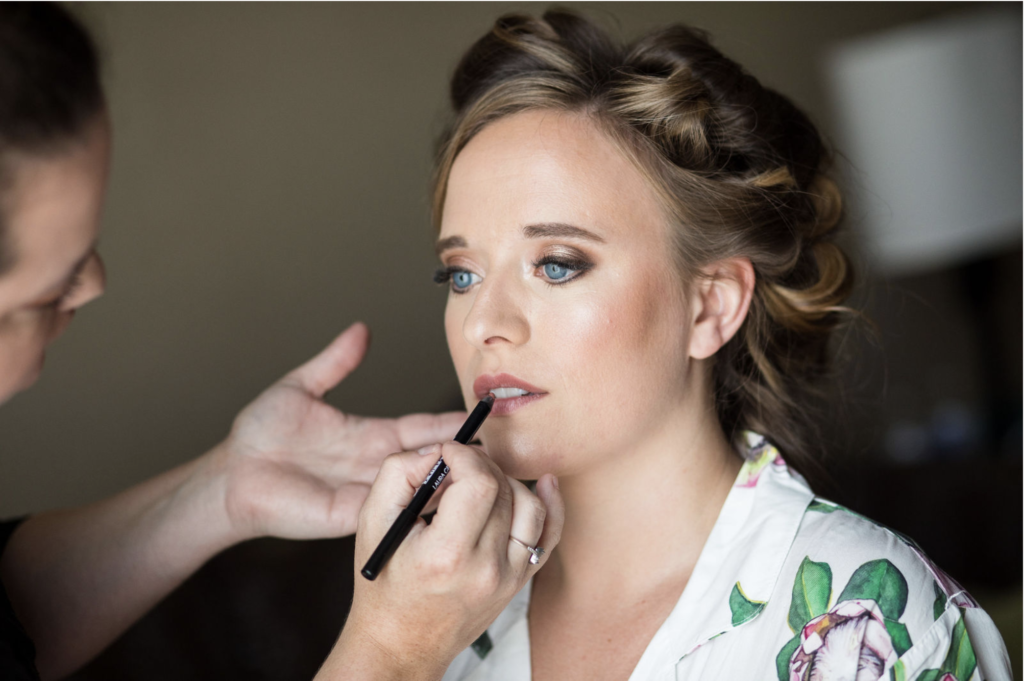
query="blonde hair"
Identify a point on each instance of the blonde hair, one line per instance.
(740, 171)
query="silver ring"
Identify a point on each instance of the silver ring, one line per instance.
(535, 551)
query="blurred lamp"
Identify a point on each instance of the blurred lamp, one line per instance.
(929, 117)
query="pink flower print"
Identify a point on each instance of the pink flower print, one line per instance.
(848, 643)
(948, 677)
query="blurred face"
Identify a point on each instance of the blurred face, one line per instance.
(51, 212)
(565, 299)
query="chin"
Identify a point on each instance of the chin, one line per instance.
(519, 455)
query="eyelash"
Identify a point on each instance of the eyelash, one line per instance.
(578, 265)
(68, 291)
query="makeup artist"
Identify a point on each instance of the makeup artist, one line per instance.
(292, 466)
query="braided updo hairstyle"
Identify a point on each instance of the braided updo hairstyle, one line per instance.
(739, 169)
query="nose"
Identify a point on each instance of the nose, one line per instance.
(94, 282)
(497, 316)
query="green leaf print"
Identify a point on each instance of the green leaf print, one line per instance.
(881, 582)
(782, 661)
(899, 635)
(482, 645)
(823, 506)
(930, 675)
(812, 589)
(742, 607)
(960, 660)
(940, 601)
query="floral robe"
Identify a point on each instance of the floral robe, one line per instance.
(790, 587)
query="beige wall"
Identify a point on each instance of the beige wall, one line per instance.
(269, 187)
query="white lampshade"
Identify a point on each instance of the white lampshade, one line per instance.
(930, 119)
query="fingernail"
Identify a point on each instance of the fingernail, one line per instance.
(423, 451)
(554, 481)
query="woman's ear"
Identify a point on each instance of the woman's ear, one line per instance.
(721, 298)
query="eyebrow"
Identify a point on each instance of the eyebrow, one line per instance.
(559, 229)
(449, 243)
(538, 231)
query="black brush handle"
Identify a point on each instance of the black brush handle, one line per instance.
(407, 518)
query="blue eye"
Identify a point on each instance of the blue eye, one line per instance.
(457, 280)
(461, 280)
(562, 270)
(555, 271)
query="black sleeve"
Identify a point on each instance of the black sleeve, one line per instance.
(17, 653)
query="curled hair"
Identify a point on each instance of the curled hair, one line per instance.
(740, 171)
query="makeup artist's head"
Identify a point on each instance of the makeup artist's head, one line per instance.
(54, 149)
(637, 232)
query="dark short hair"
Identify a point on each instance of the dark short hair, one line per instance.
(50, 88)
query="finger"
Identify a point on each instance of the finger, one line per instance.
(477, 486)
(345, 507)
(417, 430)
(310, 514)
(528, 515)
(554, 520)
(335, 362)
(398, 479)
(434, 451)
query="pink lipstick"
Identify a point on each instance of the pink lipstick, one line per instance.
(511, 393)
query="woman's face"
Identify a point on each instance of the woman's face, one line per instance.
(563, 287)
(51, 214)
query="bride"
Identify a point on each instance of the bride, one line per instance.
(638, 245)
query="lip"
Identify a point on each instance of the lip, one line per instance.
(488, 382)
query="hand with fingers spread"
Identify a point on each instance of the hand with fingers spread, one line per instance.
(449, 579)
(296, 467)
(292, 467)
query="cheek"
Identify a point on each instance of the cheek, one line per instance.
(621, 364)
(23, 340)
(628, 338)
(458, 347)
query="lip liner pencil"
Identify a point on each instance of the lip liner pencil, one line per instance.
(407, 518)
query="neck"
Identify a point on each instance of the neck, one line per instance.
(638, 520)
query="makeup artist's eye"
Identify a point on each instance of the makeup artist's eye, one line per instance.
(69, 290)
(459, 278)
(562, 270)
(73, 286)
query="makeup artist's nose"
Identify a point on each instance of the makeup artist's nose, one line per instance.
(496, 316)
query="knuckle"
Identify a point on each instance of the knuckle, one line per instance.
(487, 579)
(392, 463)
(444, 564)
(505, 493)
(453, 451)
(537, 510)
(485, 487)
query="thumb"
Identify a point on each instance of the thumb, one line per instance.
(335, 362)
(399, 478)
(547, 490)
